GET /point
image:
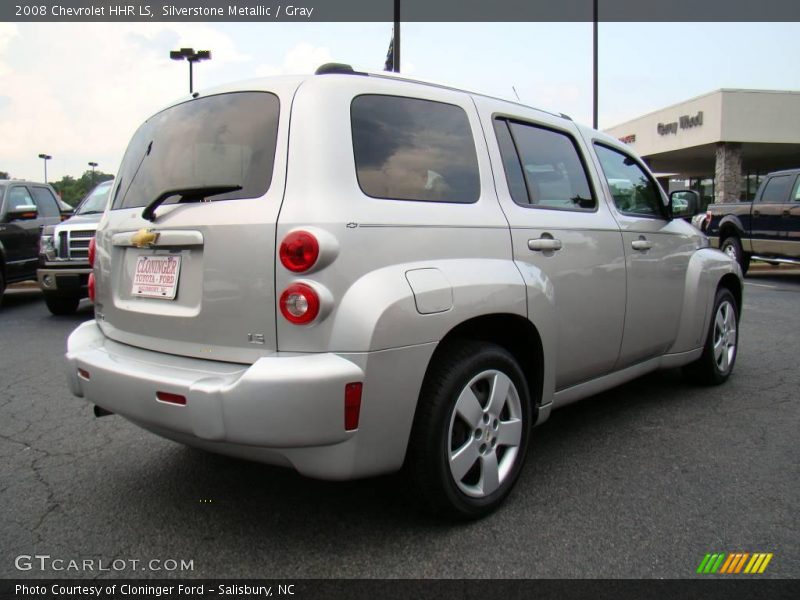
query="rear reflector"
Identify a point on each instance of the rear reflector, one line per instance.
(92, 290)
(352, 405)
(92, 251)
(171, 398)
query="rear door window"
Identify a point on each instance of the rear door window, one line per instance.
(777, 189)
(414, 149)
(543, 167)
(225, 139)
(48, 207)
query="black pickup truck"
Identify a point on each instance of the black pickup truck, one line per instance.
(766, 229)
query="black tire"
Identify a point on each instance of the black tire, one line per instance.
(2, 285)
(716, 364)
(62, 304)
(733, 248)
(480, 368)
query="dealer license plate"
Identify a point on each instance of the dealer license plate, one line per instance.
(156, 277)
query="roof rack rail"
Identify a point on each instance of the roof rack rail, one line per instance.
(336, 68)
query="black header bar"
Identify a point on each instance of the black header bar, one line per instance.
(411, 10)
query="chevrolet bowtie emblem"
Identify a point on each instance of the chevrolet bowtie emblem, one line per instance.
(144, 238)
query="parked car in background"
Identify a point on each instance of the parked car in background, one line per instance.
(64, 253)
(412, 276)
(768, 228)
(25, 207)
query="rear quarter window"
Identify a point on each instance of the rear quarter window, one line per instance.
(413, 149)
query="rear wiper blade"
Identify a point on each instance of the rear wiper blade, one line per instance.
(187, 195)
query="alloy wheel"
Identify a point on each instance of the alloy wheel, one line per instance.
(724, 336)
(485, 433)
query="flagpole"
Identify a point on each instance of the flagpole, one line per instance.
(594, 66)
(396, 38)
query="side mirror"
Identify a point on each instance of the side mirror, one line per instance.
(23, 212)
(683, 204)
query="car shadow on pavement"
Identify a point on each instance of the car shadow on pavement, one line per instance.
(20, 296)
(253, 501)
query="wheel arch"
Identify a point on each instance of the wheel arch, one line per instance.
(730, 226)
(512, 332)
(732, 283)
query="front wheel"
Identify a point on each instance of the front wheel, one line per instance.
(719, 353)
(471, 430)
(733, 248)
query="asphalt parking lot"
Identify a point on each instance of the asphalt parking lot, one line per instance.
(641, 481)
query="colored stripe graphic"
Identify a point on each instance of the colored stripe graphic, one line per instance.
(703, 563)
(734, 563)
(764, 564)
(727, 564)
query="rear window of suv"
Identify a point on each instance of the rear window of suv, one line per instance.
(226, 139)
(413, 149)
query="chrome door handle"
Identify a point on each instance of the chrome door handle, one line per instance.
(641, 245)
(544, 244)
(787, 212)
(756, 213)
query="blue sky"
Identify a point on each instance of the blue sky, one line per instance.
(77, 91)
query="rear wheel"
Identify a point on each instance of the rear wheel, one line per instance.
(471, 430)
(2, 285)
(733, 248)
(719, 353)
(62, 304)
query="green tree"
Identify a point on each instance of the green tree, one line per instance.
(73, 190)
(4, 175)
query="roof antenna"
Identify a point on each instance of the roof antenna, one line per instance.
(515, 93)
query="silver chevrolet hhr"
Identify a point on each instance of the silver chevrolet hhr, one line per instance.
(351, 273)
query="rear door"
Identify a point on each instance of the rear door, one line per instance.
(791, 222)
(197, 280)
(767, 222)
(562, 232)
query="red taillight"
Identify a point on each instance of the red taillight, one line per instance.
(299, 304)
(171, 398)
(706, 221)
(352, 405)
(299, 251)
(92, 251)
(84, 374)
(91, 287)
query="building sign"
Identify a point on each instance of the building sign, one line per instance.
(684, 122)
(628, 139)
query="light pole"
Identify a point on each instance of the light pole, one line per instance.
(190, 55)
(45, 158)
(93, 165)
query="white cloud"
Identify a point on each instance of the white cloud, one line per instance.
(7, 33)
(301, 59)
(83, 99)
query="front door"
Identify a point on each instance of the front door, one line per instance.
(657, 253)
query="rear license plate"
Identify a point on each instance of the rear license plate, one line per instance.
(156, 277)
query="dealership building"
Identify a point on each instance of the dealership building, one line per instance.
(721, 143)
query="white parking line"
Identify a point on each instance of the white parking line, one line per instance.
(772, 287)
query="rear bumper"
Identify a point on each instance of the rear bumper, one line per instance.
(285, 409)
